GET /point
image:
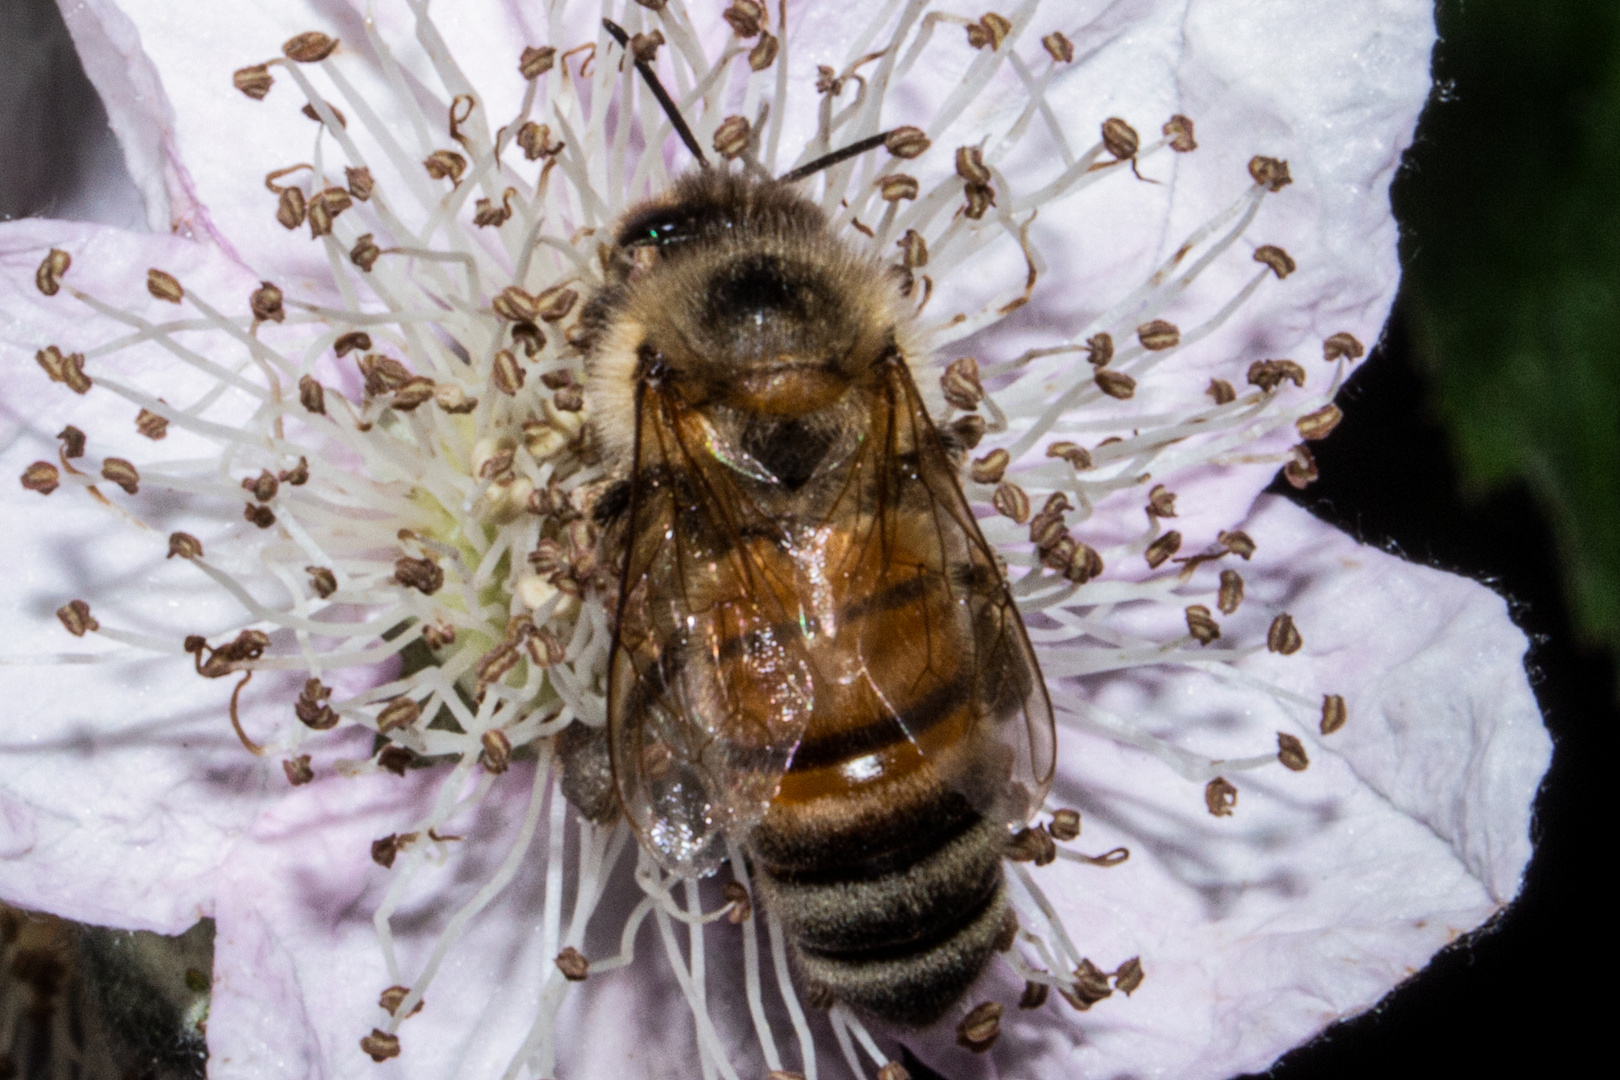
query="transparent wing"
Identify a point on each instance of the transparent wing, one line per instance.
(707, 696)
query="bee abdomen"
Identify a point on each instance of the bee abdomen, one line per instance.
(902, 944)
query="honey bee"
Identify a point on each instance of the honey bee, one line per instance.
(816, 656)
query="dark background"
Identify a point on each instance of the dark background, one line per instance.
(1482, 438)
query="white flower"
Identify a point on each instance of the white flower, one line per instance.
(126, 799)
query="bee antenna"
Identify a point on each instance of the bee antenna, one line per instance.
(658, 91)
(827, 161)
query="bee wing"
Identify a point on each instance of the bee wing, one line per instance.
(953, 680)
(707, 697)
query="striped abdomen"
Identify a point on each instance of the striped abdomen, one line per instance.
(881, 852)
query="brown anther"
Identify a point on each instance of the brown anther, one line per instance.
(42, 477)
(1220, 796)
(184, 545)
(496, 756)
(380, 1045)
(1075, 454)
(1270, 173)
(258, 514)
(229, 658)
(545, 648)
(314, 114)
(507, 374)
(360, 182)
(266, 303)
(913, 249)
(535, 141)
(438, 634)
(1201, 625)
(1237, 542)
(312, 709)
(990, 468)
(573, 965)
(122, 473)
(1162, 548)
(1334, 713)
(893, 1071)
(291, 208)
(981, 1027)
(1283, 636)
(536, 61)
(72, 442)
(423, 575)
(1083, 564)
(1282, 264)
(1300, 470)
(445, 163)
(1065, 825)
(48, 278)
(321, 580)
(897, 186)
(1319, 424)
(418, 389)
(1034, 995)
(453, 399)
(555, 303)
(1270, 374)
(324, 208)
(558, 378)
(1032, 845)
(1116, 384)
(298, 771)
(569, 399)
(970, 166)
(365, 252)
(980, 198)
(1291, 752)
(298, 475)
(906, 142)
(732, 136)
(1179, 130)
(396, 759)
(164, 286)
(486, 214)
(76, 617)
(400, 712)
(969, 430)
(1158, 335)
(990, 30)
(309, 47)
(1120, 139)
(1342, 346)
(515, 305)
(1099, 349)
(827, 81)
(311, 394)
(644, 47)
(746, 17)
(1221, 392)
(58, 367)
(735, 894)
(254, 81)
(1011, 501)
(531, 337)
(393, 997)
(496, 464)
(961, 383)
(263, 486)
(1089, 987)
(383, 374)
(1128, 976)
(1161, 502)
(1061, 50)
(1231, 593)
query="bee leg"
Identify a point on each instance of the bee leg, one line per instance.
(587, 772)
